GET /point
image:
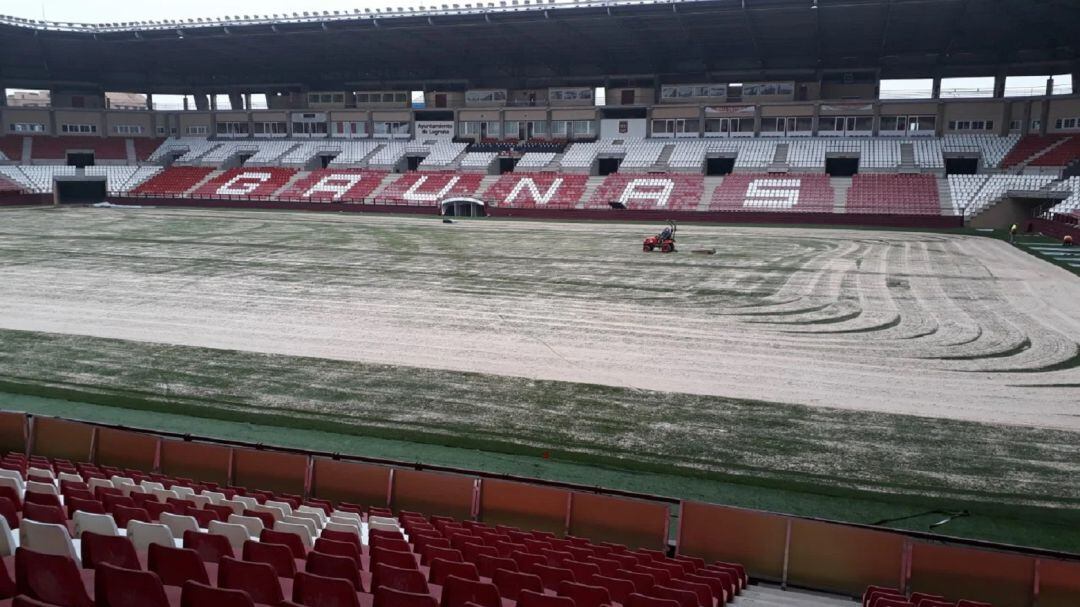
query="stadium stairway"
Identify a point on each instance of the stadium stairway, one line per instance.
(27, 150)
(209, 177)
(764, 595)
(840, 186)
(780, 157)
(590, 189)
(711, 183)
(386, 183)
(907, 158)
(297, 176)
(129, 150)
(948, 205)
(485, 185)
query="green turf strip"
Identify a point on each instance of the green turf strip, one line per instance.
(844, 465)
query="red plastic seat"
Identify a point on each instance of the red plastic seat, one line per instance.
(12, 496)
(98, 549)
(430, 552)
(51, 578)
(527, 560)
(394, 558)
(9, 511)
(25, 601)
(329, 565)
(488, 565)
(176, 566)
(341, 536)
(389, 597)
(441, 569)
(458, 591)
(210, 548)
(640, 600)
(552, 576)
(112, 498)
(398, 578)
(202, 517)
(390, 543)
(44, 499)
(511, 583)
(118, 587)
(44, 514)
(619, 589)
(318, 591)
(348, 549)
(583, 572)
(528, 598)
(75, 504)
(125, 514)
(156, 509)
(584, 595)
(291, 540)
(684, 598)
(259, 580)
(278, 556)
(195, 594)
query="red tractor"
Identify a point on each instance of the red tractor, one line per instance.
(665, 240)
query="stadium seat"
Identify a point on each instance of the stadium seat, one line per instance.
(458, 591)
(258, 580)
(584, 595)
(110, 549)
(389, 597)
(50, 578)
(278, 556)
(441, 569)
(119, 587)
(329, 565)
(511, 583)
(211, 548)
(176, 566)
(315, 590)
(196, 594)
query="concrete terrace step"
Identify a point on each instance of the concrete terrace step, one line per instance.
(841, 186)
(209, 176)
(288, 184)
(590, 189)
(27, 150)
(385, 183)
(485, 185)
(948, 205)
(711, 183)
(763, 595)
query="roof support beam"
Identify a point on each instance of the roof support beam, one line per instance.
(749, 22)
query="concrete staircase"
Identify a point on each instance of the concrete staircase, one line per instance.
(590, 189)
(763, 595)
(907, 158)
(129, 150)
(840, 186)
(202, 182)
(780, 158)
(711, 183)
(665, 156)
(485, 185)
(948, 206)
(288, 184)
(391, 178)
(27, 150)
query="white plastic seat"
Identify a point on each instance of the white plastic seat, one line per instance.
(121, 480)
(163, 495)
(254, 525)
(94, 483)
(178, 523)
(69, 477)
(311, 516)
(32, 471)
(15, 482)
(8, 543)
(296, 520)
(151, 486)
(237, 507)
(248, 502)
(237, 534)
(36, 487)
(47, 538)
(384, 527)
(385, 520)
(102, 524)
(342, 528)
(296, 529)
(274, 511)
(316, 511)
(215, 497)
(284, 507)
(143, 534)
(340, 514)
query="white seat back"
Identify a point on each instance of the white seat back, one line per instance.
(254, 525)
(178, 523)
(143, 534)
(36, 487)
(102, 524)
(47, 538)
(237, 534)
(300, 530)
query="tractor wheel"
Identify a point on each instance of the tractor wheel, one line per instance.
(667, 248)
(647, 248)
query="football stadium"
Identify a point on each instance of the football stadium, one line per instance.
(543, 303)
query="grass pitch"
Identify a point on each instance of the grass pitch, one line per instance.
(490, 343)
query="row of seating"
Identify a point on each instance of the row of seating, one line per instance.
(358, 556)
(895, 194)
(885, 596)
(1030, 147)
(45, 147)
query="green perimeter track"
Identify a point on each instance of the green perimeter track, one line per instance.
(835, 464)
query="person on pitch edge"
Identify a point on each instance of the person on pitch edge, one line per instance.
(1012, 234)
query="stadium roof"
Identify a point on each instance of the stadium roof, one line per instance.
(541, 44)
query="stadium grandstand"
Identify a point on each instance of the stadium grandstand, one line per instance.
(208, 405)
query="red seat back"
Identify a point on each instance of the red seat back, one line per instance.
(43, 513)
(459, 591)
(329, 565)
(125, 514)
(488, 565)
(211, 548)
(51, 578)
(45, 499)
(195, 594)
(278, 556)
(309, 589)
(584, 595)
(511, 583)
(118, 587)
(291, 540)
(9, 511)
(528, 598)
(348, 549)
(99, 549)
(176, 566)
(552, 576)
(75, 504)
(388, 597)
(684, 598)
(441, 569)
(398, 578)
(340, 536)
(396, 558)
(620, 590)
(430, 552)
(259, 580)
(640, 600)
